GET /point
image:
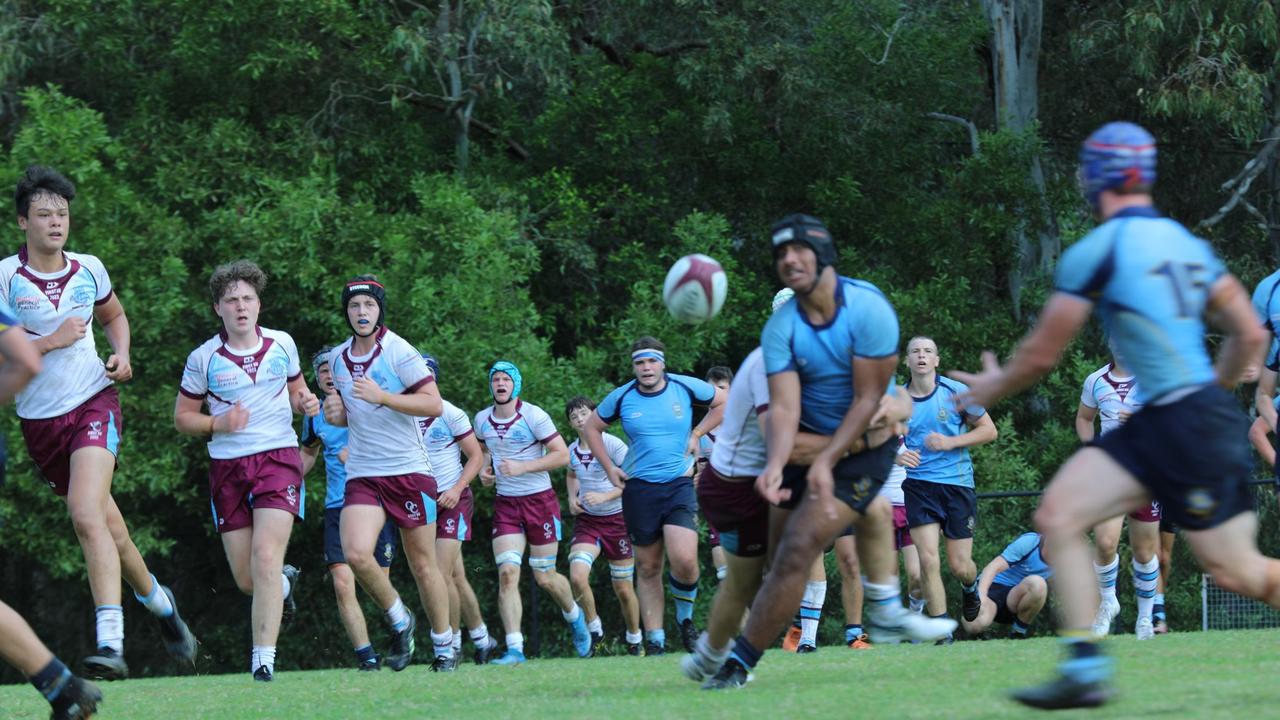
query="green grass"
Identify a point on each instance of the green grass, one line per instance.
(1210, 675)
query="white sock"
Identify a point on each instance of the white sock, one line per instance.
(284, 584)
(721, 572)
(398, 616)
(110, 626)
(442, 643)
(717, 656)
(263, 655)
(595, 627)
(157, 602)
(457, 641)
(815, 592)
(633, 638)
(883, 601)
(480, 635)
(515, 641)
(1107, 579)
(1145, 577)
(571, 615)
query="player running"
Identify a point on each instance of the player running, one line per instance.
(1154, 283)
(720, 377)
(252, 382)
(318, 435)
(658, 498)
(1111, 393)
(70, 412)
(521, 446)
(829, 354)
(382, 386)
(447, 438)
(1014, 588)
(599, 527)
(939, 491)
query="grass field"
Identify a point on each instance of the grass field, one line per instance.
(1209, 675)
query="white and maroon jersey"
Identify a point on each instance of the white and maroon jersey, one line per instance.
(1110, 394)
(519, 437)
(258, 378)
(41, 302)
(591, 475)
(892, 487)
(442, 435)
(382, 442)
(740, 449)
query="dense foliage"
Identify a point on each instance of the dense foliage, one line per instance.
(520, 173)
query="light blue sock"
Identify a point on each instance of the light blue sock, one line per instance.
(684, 595)
(657, 637)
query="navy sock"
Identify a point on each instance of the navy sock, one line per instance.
(366, 653)
(745, 653)
(1157, 611)
(852, 632)
(1081, 649)
(1019, 628)
(50, 680)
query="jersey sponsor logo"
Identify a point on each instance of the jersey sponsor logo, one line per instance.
(224, 380)
(25, 302)
(249, 363)
(942, 415)
(636, 414)
(411, 507)
(357, 371)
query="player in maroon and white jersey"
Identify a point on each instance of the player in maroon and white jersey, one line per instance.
(251, 379)
(70, 412)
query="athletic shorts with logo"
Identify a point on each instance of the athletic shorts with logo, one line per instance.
(408, 500)
(384, 551)
(455, 523)
(1148, 513)
(953, 507)
(607, 532)
(238, 486)
(96, 422)
(857, 478)
(737, 510)
(535, 516)
(648, 506)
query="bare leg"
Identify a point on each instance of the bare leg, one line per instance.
(88, 497)
(509, 606)
(271, 529)
(925, 540)
(344, 589)
(420, 550)
(649, 562)
(467, 601)
(551, 581)
(359, 527)
(580, 578)
(627, 599)
(850, 579)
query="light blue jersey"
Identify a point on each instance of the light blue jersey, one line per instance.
(1023, 556)
(658, 425)
(334, 438)
(1150, 278)
(936, 413)
(865, 326)
(1266, 301)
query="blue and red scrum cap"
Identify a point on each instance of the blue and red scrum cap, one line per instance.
(1117, 156)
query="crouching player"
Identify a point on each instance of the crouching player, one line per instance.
(1014, 587)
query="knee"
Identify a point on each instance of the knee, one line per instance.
(1037, 589)
(849, 566)
(508, 577)
(580, 576)
(1051, 522)
(360, 560)
(958, 565)
(343, 583)
(648, 570)
(1106, 547)
(87, 520)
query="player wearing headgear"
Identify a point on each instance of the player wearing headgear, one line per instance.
(658, 498)
(318, 436)
(829, 354)
(448, 438)
(1014, 588)
(70, 413)
(522, 446)
(382, 387)
(720, 377)
(599, 528)
(939, 490)
(252, 382)
(1154, 283)
(1111, 395)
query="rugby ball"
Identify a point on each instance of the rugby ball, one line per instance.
(695, 289)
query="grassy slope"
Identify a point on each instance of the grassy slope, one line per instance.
(1220, 675)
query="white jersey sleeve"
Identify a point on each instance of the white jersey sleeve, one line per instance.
(1088, 397)
(100, 277)
(442, 436)
(522, 436)
(740, 449)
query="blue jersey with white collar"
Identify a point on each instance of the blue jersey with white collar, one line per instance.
(1025, 560)
(1266, 301)
(658, 425)
(865, 326)
(937, 413)
(1150, 278)
(334, 439)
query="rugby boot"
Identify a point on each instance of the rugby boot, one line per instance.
(652, 648)
(581, 635)
(1107, 612)
(806, 648)
(483, 654)
(106, 664)
(791, 640)
(972, 605)
(402, 646)
(688, 635)
(290, 601)
(78, 700)
(634, 649)
(909, 626)
(373, 664)
(1063, 693)
(178, 639)
(698, 666)
(1144, 629)
(263, 674)
(731, 675)
(1161, 627)
(444, 663)
(512, 657)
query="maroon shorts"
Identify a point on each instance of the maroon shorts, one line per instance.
(1149, 514)
(607, 532)
(96, 422)
(408, 500)
(237, 487)
(737, 511)
(901, 533)
(535, 516)
(455, 523)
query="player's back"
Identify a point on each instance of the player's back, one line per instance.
(1150, 278)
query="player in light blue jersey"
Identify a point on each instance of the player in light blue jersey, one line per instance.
(658, 499)
(1153, 283)
(1266, 302)
(1013, 587)
(939, 492)
(829, 354)
(318, 436)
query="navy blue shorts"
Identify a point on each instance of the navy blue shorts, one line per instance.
(953, 507)
(384, 551)
(999, 595)
(1192, 455)
(857, 477)
(647, 506)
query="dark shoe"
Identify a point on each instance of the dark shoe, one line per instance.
(78, 700)
(688, 635)
(106, 664)
(597, 640)
(373, 664)
(263, 674)
(290, 604)
(732, 675)
(402, 646)
(972, 606)
(1063, 693)
(634, 649)
(178, 639)
(948, 640)
(806, 648)
(444, 663)
(483, 654)
(653, 648)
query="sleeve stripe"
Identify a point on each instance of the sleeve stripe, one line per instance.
(463, 435)
(190, 394)
(295, 376)
(550, 437)
(762, 409)
(418, 385)
(105, 300)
